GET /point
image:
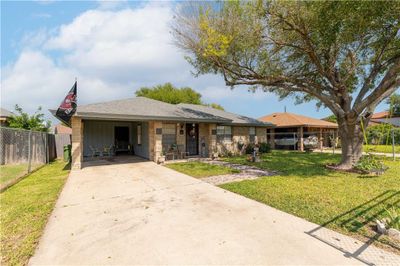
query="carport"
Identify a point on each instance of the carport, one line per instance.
(113, 138)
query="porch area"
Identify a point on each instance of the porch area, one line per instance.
(96, 141)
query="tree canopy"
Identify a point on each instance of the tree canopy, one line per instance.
(30, 122)
(343, 54)
(171, 94)
(394, 103)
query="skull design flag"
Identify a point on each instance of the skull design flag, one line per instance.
(68, 106)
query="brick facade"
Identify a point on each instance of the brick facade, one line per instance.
(208, 143)
(77, 142)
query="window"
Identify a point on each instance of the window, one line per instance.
(252, 134)
(139, 134)
(168, 135)
(224, 133)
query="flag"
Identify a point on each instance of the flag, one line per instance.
(68, 106)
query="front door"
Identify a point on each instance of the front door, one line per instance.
(192, 139)
(121, 139)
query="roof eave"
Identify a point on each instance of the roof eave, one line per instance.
(250, 124)
(306, 125)
(111, 117)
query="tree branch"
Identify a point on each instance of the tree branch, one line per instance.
(389, 83)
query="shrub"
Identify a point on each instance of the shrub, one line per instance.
(249, 148)
(370, 163)
(265, 147)
(240, 146)
(381, 134)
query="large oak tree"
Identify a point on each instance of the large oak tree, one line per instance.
(345, 54)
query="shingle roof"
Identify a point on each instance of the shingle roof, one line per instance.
(235, 118)
(5, 113)
(141, 108)
(395, 121)
(295, 120)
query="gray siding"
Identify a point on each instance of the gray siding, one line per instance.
(100, 134)
(143, 149)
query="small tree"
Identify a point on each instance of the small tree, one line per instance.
(30, 122)
(394, 103)
(170, 94)
(343, 54)
(331, 118)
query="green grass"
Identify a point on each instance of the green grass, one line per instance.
(381, 148)
(199, 169)
(12, 171)
(25, 208)
(346, 202)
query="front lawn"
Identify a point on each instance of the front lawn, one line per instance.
(25, 208)
(199, 169)
(381, 148)
(346, 202)
(11, 172)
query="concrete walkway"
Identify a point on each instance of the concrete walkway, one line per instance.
(136, 212)
(247, 172)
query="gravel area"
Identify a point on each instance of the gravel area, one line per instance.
(246, 173)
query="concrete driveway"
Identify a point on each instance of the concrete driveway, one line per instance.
(137, 212)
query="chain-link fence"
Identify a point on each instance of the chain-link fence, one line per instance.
(22, 151)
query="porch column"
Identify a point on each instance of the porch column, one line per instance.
(272, 138)
(155, 140)
(261, 134)
(301, 142)
(212, 142)
(320, 139)
(181, 135)
(77, 143)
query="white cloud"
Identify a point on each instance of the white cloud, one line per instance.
(112, 52)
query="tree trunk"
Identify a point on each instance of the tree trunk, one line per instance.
(351, 135)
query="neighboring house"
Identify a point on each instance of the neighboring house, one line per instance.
(150, 128)
(292, 131)
(385, 118)
(4, 116)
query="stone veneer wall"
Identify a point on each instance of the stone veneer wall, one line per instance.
(181, 138)
(155, 140)
(206, 137)
(212, 139)
(261, 134)
(240, 134)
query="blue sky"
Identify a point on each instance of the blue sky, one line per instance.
(113, 48)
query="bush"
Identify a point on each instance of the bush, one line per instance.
(381, 134)
(265, 147)
(370, 163)
(240, 146)
(249, 148)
